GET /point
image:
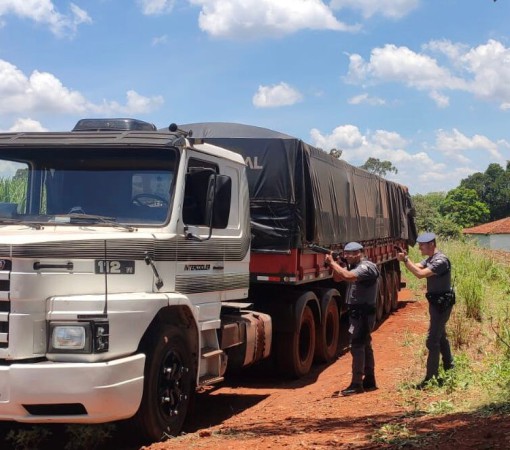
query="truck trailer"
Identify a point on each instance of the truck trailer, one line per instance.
(138, 265)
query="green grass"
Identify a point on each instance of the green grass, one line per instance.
(398, 435)
(479, 332)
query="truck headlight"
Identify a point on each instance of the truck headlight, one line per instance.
(79, 337)
(70, 338)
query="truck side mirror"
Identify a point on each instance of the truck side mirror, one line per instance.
(207, 199)
(217, 209)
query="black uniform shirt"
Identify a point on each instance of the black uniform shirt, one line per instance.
(440, 265)
(364, 290)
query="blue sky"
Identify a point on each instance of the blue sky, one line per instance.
(424, 84)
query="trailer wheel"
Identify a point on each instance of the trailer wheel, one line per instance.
(168, 386)
(327, 334)
(296, 349)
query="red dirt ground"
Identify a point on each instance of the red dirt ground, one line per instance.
(259, 412)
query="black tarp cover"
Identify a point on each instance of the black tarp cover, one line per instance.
(299, 194)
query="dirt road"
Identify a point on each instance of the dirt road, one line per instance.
(264, 413)
(257, 411)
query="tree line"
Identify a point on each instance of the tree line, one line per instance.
(479, 198)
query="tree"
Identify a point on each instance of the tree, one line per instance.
(429, 217)
(427, 210)
(493, 188)
(463, 207)
(447, 228)
(381, 168)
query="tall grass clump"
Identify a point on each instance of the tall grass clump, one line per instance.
(501, 328)
(468, 277)
(471, 291)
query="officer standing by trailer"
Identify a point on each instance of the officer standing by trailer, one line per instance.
(436, 268)
(362, 276)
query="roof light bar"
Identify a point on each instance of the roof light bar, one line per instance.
(113, 125)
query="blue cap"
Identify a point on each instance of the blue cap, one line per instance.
(425, 237)
(353, 247)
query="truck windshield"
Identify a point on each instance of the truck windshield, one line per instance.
(103, 186)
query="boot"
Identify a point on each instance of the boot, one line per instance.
(423, 384)
(353, 388)
(450, 365)
(369, 383)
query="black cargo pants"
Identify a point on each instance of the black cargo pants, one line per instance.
(437, 341)
(361, 324)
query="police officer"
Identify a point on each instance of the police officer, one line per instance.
(362, 276)
(436, 268)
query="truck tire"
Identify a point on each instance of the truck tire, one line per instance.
(328, 332)
(296, 349)
(168, 386)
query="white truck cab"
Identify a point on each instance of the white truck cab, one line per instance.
(124, 269)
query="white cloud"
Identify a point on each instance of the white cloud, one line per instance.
(366, 99)
(394, 9)
(45, 13)
(442, 101)
(42, 92)
(445, 163)
(388, 140)
(454, 143)
(400, 64)
(26, 124)
(490, 66)
(155, 7)
(257, 18)
(342, 137)
(452, 51)
(160, 40)
(277, 95)
(387, 146)
(483, 71)
(357, 147)
(135, 104)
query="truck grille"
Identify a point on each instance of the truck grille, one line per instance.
(5, 304)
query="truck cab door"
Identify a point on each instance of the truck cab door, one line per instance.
(213, 242)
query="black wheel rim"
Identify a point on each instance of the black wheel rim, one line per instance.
(172, 389)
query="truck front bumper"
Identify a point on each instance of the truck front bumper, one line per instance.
(71, 392)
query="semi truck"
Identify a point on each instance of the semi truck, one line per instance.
(138, 265)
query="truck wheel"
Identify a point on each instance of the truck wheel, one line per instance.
(168, 386)
(328, 332)
(296, 349)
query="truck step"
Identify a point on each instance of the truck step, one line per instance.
(209, 352)
(209, 379)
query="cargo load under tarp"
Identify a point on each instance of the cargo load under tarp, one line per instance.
(299, 194)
